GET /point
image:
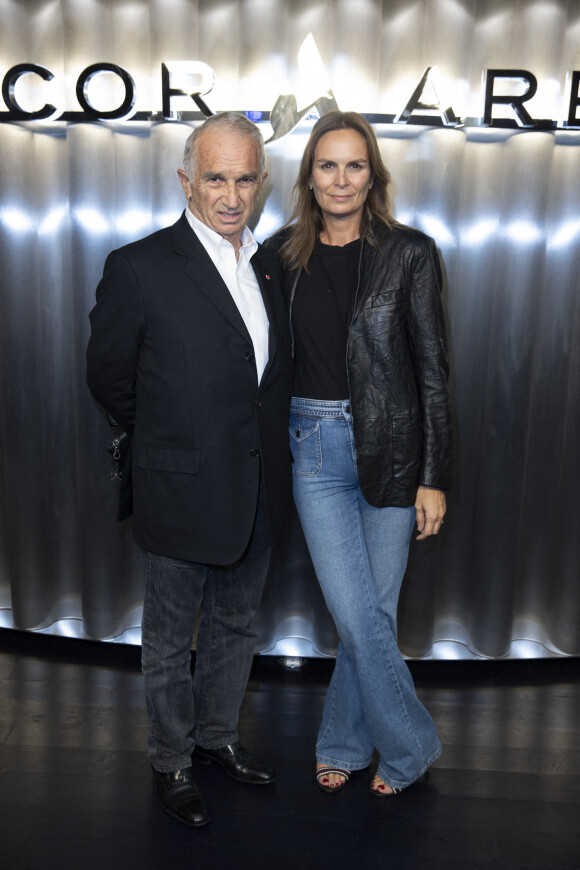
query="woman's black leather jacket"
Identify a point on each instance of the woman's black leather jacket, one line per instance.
(397, 366)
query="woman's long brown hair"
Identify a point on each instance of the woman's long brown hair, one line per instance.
(306, 222)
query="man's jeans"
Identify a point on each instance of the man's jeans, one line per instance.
(182, 714)
(359, 553)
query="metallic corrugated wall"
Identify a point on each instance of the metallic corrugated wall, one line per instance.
(501, 203)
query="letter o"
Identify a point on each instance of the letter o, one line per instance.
(83, 86)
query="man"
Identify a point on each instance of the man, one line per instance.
(190, 354)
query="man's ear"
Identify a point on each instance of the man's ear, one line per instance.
(185, 183)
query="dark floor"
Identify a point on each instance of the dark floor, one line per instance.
(75, 786)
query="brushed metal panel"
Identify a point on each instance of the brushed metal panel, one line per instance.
(501, 204)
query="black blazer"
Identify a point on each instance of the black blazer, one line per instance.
(171, 360)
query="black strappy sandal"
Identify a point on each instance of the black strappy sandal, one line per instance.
(384, 794)
(331, 789)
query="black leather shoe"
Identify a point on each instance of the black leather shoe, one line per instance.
(180, 797)
(237, 763)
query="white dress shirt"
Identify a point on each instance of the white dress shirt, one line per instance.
(240, 280)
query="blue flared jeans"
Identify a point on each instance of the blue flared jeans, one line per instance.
(359, 553)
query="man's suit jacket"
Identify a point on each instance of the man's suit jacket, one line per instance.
(171, 360)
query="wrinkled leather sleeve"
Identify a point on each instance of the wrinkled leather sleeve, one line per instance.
(398, 370)
(429, 349)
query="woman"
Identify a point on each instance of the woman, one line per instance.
(370, 437)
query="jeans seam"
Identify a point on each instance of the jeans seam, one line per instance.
(208, 670)
(387, 654)
(331, 718)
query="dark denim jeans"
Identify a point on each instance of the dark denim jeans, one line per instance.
(182, 712)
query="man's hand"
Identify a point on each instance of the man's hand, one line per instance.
(430, 507)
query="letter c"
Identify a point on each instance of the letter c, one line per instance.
(9, 89)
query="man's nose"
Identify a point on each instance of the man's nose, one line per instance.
(231, 195)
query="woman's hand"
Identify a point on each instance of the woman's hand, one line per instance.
(430, 507)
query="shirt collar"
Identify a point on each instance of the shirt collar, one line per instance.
(215, 244)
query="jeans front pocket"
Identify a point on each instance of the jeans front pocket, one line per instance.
(305, 446)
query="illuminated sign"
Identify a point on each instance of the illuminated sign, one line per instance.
(511, 89)
(125, 110)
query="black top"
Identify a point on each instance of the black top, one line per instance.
(321, 315)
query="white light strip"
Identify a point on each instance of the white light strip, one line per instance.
(15, 219)
(565, 234)
(436, 228)
(523, 232)
(480, 231)
(92, 220)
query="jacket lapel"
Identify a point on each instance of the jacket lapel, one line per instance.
(267, 287)
(201, 271)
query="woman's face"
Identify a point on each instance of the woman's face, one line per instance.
(341, 174)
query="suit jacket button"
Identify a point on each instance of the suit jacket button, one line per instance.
(254, 452)
(249, 356)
